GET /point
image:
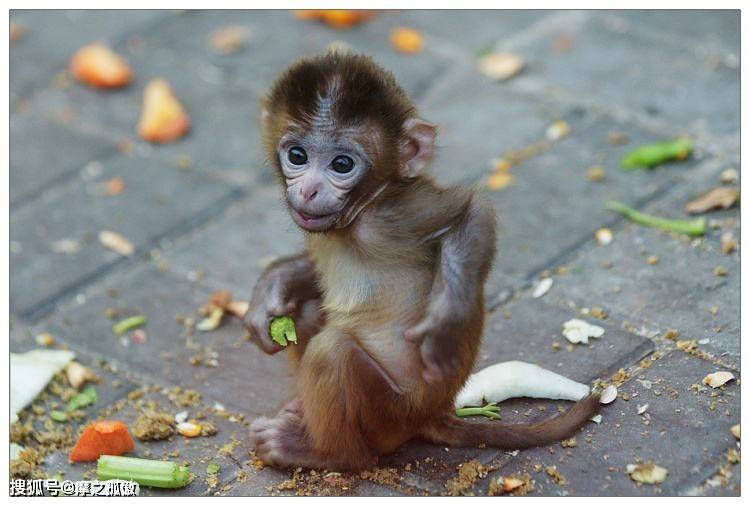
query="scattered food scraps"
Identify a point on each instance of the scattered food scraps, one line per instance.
(596, 174)
(17, 31)
(85, 398)
(730, 176)
(499, 180)
(189, 429)
(283, 330)
(45, 339)
(213, 468)
(717, 379)
(652, 155)
(720, 271)
(506, 380)
(500, 66)
(722, 197)
(228, 39)
(491, 410)
(66, 246)
(557, 130)
(407, 40)
(29, 374)
(542, 288)
(608, 395)
(597, 419)
(689, 227)
(150, 473)
(130, 323)
(78, 374)
(647, 473)
(212, 321)
(114, 186)
(154, 426)
(116, 242)
(336, 18)
(728, 243)
(163, 119)
(642, 409)
(579, 331)
(99, 66)
(103, 437)
(735, 430)
(604, 236)
(618, 138)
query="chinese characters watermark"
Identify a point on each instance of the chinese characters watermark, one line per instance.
(109, 488)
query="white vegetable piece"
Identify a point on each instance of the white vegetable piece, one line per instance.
(608, 395)
(542, 288)
(506, 380)
(29, 374)
(579, 331)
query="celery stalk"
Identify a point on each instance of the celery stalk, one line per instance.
(151, 473)
(689, 227)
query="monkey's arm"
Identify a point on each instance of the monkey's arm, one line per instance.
(466, 254)
(285, 287)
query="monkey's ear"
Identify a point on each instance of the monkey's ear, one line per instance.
(417, 146)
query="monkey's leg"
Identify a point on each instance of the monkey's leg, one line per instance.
(346, 418)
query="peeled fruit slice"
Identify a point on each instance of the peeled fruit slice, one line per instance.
(163, 119)
(99, 66)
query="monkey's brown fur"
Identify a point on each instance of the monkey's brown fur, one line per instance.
(404, 258)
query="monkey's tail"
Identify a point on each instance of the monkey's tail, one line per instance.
(455, 431)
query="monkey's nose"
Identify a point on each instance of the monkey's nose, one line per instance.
(308, 193)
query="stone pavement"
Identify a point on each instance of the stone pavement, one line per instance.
(204, 215)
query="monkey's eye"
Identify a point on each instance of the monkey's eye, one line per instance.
(342, 164)
(297, 156)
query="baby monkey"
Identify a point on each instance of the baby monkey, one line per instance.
(388, 295)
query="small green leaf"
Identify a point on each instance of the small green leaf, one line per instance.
(283, 330)
(83, 399)
(131, 323)
(213, 468)
(58, 416)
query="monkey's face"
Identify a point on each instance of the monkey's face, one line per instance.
(320, 171)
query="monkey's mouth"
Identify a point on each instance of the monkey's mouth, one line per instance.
(314, 222)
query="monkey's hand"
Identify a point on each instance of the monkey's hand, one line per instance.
(437, 335)
(287, 287)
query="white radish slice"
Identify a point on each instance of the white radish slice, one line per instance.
(506, 380)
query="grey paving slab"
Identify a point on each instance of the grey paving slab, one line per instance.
(223, 137)
(481, 121)
(710, 32)
(667, 82)
(158, 200)
(241, 375)
(270, 48)
(65, 152)
(470, 30)
(232, 251)
(51, 37)
(683, 429)
(527, 329)
(681, 291)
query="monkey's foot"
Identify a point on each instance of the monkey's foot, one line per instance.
(281, 441)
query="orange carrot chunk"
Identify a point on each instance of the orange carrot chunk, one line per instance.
(103, 437)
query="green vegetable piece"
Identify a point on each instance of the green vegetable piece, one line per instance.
(283, 330)
(690, 227)
(491, 410)
(652, 155)
(59, 416)
(213, 468)
(83, 399)
(131, 323)
(151, 473)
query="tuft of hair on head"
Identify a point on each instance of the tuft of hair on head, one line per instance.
(352, 88)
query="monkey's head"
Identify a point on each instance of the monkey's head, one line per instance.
(339, 130)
